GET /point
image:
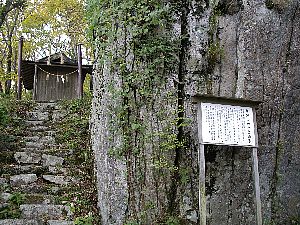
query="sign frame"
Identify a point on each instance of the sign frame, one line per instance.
(198, 99)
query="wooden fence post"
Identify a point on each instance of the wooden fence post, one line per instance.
(19, 92)
(80, 83)
(202, 196)
(256, 187)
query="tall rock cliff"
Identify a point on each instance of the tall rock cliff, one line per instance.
(145, 139)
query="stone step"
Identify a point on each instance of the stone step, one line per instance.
(38, 145)
(59, 222)
(58, 115)
(39, 199)
(37, 115)
(48, 133)
(45, 212)
(27, 157)
(55, 150)
(52, 160)
(46, 106)
(30, 198)
(3, 181)
(31, 123)
(37, 188)
(23, 179)
(18, 222)
(4, 197)
(41, 139)
(39, 128)
(60, 180)
(23, 169)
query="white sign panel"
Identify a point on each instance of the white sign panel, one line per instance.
(227, 125)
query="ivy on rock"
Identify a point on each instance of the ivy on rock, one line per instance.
(140, 55)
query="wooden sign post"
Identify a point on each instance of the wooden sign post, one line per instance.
(225, 121)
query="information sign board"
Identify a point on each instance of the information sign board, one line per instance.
(227, 125)
(226, 121)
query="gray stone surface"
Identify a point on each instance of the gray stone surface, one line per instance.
(59, 222)
(38, 145)
(47, 139)
(23, 179)
(62, 180)
(34, 122)
(3, 181)
(37, 115)
(57, 170)
(58, 115)
(38, 128)
(45, 212)
(18, 222)
(260, 61)
(27, 157)
(31, 138)
(51, 160)
(4, 197)
(46, 106)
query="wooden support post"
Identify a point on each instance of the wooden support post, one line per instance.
(80, 84)
(19, 92)
(202, 196)
(34, 82)
(256, 187)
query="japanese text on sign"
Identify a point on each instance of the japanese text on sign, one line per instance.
(227, 125)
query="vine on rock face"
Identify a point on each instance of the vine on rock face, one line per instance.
(137, 48)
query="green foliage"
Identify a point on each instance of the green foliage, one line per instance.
(12, 115)
(73, 132)
(139, 53)
(269, 4)
(56, 24)
(143, 28)
(74, 127)
(17, 199)
(3, 115)
(86, 220)
(12, 210)
(172, 221)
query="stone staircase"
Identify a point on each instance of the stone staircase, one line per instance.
(37, 171)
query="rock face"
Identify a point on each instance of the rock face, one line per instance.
(259, 60)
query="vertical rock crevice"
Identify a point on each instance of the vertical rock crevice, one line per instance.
(184, 42)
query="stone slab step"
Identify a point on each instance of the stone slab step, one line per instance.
(35, 188)
(35, 145)
(47, 212)
(27, 157)
(59, 222)
(52, 160)
(39, 128)
(46, 106)
(42, 139)
(23, 169)
(22, 179)
(18, 222)
(34, 122)
(57, 116)
(61, 180)
(37, 115)
(39, 199)
(32, 149)
(3, 181)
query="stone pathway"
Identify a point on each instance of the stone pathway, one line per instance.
(38, 171)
